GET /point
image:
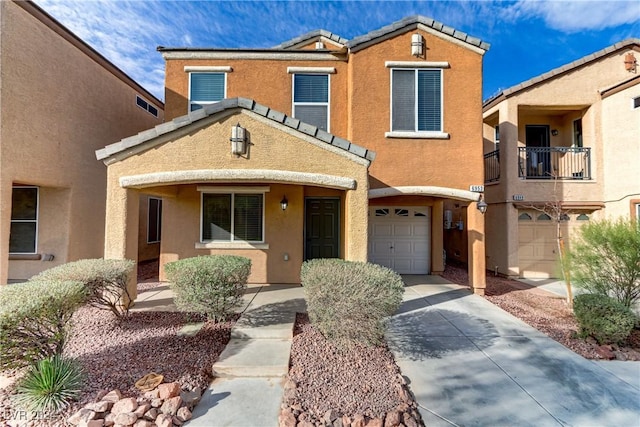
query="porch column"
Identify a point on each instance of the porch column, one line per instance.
(476, 252)
(5, 229)
(121, 227)
(437, 237)
(357, 222)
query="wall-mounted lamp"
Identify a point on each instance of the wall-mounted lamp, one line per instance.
(482, 205)
(284, 203)
(554, 132)
(630, 62)
(417, 45)
(238, 140)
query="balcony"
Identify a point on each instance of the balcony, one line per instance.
(492, 166)
(567, 163)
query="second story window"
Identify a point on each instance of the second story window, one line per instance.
(416, 100)
(205, 89)
(311, 99)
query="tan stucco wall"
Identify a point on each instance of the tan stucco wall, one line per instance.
(57, 107)
(205, 146)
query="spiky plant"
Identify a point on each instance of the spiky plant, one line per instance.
(49, 385)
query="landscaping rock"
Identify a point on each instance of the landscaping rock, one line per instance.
(113, 396)
(191, 398)
(151, 414)
(392, 419)
(91, 423)
(409, 421)
(144, 423)
(109, 419)
(168, 390)
(153, 394)
(176, 421)
(171, 406)
(126, 405)
(184, 414)
(142, 409)
(164, 420)
(375, 422)
(358, 421)
(156, 403)
(605, 352)
(286, 418)
(101, 406)
(82, 415)
(126, 418)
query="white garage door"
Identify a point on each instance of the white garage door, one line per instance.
(399, 238)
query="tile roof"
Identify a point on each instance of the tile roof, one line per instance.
(228, 104)
(564, 69)
(309, 36)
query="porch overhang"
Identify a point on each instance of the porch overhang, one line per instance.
(425, 190)
(235, 176)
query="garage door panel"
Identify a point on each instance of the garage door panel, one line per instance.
(402, 230)
(382, 230)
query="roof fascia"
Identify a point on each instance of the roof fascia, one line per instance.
(281, 55)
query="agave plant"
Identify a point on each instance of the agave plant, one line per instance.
(49, 385)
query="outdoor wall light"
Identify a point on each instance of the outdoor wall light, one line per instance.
(284, 203)
(554, 132)
(417, 45)
(238, 140)
(482, 205)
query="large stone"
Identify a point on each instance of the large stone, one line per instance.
(102, 406)
(184, 414)
(393, 419)
(330, 416)
(91, 423)
(152, 414)
(156, 403)
(109, 419)
(122, 406)
(375, 422)
(83, 414)
(305, 423)
(286, 418)
(409, 421)
(191, 398)
(113, 396)
(144, 423)
(164, 420)
(168, 390)
(605, 352)
(176, 421)
(358, 421)
(126, 418)
(142, 409)
(153, 394)
(171, 406)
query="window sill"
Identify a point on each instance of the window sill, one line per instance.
(231, 245)
(417, 135)
(25, 257)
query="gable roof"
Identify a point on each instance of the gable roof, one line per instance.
(131, 143)
(411, 22)
(308, 37)
(561, 70)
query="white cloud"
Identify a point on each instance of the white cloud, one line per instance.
(574, 16)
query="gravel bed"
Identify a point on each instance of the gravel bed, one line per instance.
(547, 312)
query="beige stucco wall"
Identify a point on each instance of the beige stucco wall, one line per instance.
(57, 107)
(205, 145)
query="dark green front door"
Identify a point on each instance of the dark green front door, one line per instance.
(322, 228)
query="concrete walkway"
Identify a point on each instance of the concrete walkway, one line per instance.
(249, 373)
(469, 363)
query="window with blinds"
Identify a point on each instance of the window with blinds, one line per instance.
(416, 100)
(232, 217)
(23, 234)
(311, 99)
(206, 88)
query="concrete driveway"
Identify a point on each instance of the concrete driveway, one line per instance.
(469, 363)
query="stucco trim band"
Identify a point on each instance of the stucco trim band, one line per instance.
(425, 190)
(237, 175)
(218, 68)
(416, 64)
(311, 70)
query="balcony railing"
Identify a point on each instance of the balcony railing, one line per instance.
(570, 163)
(492, 166)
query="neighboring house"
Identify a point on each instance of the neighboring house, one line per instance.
(569, 138)
(60, 101)
(314, 113)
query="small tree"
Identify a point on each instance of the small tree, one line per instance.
(605, 259)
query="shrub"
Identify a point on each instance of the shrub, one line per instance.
(348, 301)
(606, 260)
(49, 385)
(212, 285)
(603, 318)
(105, 279)
(35, 320)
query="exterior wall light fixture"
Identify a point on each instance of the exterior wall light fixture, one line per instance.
(554, 132)
(482, 205)
(238, 140)
(284, 203)
(417, 45)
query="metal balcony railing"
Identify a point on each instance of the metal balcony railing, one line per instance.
(570, 163)
(492, 166)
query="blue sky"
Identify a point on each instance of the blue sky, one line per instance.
(527, 37)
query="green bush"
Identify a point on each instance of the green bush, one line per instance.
(603, 318)
(212, 285)
(49, 385)
(35, 319)
(348, 301)
(105, 279)
(605, 259)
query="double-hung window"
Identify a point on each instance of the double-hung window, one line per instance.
(24, 220)
(206, 88)
(311, 99)
(416, 103)
(232, 217)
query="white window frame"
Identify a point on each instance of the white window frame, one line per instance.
(231, 191)
(324, 72)
(37, 220)
(158, 215)
(206, 70)
(496, 137)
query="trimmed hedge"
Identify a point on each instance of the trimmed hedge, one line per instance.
(212, 285)
(603, 318)
(106, 281)
(35, 319)
(348, 301)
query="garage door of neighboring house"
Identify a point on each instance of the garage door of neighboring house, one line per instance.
(537, 243)
(399, 238)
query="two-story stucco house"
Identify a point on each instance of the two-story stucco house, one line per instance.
(569, 138)
(318, 147)
(59, 101)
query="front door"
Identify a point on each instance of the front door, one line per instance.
(538, 154)
(322, 228)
